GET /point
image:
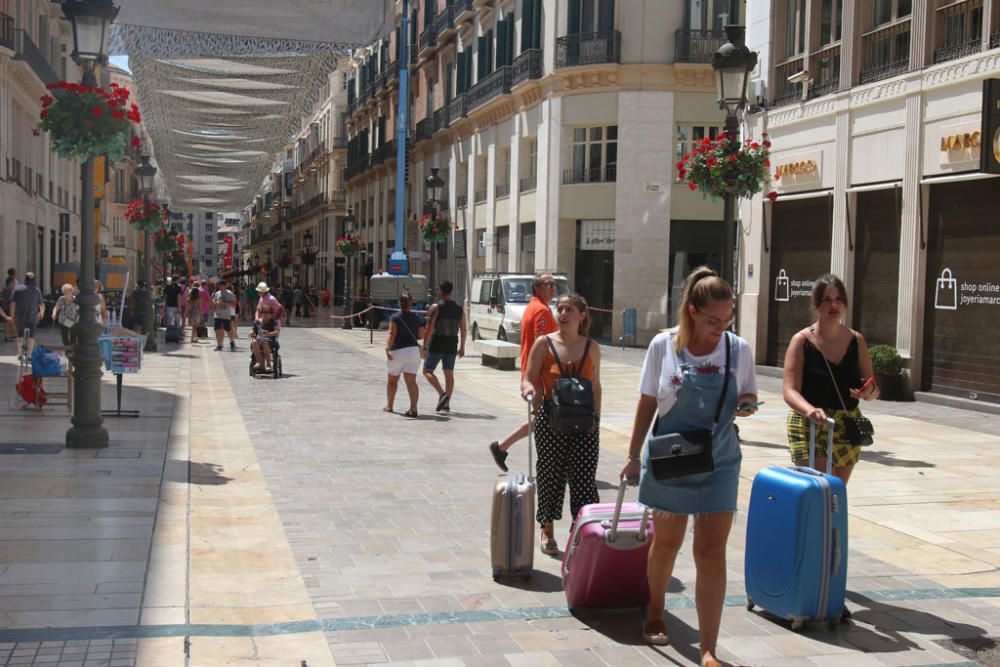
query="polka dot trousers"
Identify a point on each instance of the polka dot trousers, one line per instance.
(562, 459)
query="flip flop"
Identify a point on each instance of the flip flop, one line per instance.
(442, 401)
(550, 547)
(655, 632)
(410, 413)
(387, 409)
(499, 456)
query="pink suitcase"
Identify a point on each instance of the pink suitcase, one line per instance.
(604, 566)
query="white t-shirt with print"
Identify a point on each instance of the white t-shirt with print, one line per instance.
(661, 374)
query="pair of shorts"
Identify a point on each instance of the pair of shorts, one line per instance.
(446, 359)
(222, 323)
(404, 360)
(272, 343)
(21, 326)
(844, 453)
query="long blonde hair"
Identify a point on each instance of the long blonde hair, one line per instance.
(701, 287)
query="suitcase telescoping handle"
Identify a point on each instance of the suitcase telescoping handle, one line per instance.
(529, 398)
(618, 512)
(829, 444)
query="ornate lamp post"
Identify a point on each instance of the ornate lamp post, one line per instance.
(732, 63)
(146, 173)
(433, 185)
(348, 303)
(89, 20)
(307, 241)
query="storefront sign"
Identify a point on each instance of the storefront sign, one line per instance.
(959, 142)
(989, 159)
(950, 293)
(797, 168)
(787, 288)
(597, 235)
(802, 168)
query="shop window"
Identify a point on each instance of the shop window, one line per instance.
(595, 155)
(688, 136)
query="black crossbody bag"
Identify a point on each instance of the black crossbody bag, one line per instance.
(684, 453)
(859, 430)
(572, 398)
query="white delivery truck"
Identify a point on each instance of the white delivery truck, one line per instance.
(497, 304)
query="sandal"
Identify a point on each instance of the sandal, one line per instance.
(549, 546)
(442, 402)
(499, 456)
(655, 632)
(387, 409)
(410, 413)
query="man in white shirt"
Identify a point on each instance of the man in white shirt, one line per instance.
(224, 301)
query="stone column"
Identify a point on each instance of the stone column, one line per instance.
(549, 184)
(841, 255)
(491, 198)
(514, 210)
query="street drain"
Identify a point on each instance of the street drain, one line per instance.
(984, 650)
(41, 448)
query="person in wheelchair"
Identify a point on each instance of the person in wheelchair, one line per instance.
(264, 337)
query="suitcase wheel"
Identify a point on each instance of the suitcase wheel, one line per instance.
(750, 604)
(797, 625)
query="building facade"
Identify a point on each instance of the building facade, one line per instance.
(556, 125)
(874, 110)
(40, 192)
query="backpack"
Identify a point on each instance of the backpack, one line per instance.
(572, 398)
(45, 363)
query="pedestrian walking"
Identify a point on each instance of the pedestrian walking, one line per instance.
(325, 295)
(65, 313)
(288, 303)
(536, 321)
(443, 342)
(102, 304)
(234, 314)
(224, 301)
(563, 457)
(172, 301)
(10, 284)
(27, 307)
(403, 353)
(205, 291)
(697, 377)
(828, 370)
(193, 311)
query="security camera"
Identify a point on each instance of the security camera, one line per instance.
(800, 77)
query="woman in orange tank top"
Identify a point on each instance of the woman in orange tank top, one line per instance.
(563, 458)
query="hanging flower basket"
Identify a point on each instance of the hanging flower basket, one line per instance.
(165, 242)
(87, 121)
(723, 166)
(308, 257)
(285, 261)
(144, 216)
(434, 230)
(349, 246)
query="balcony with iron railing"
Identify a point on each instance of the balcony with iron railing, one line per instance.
(428, 41)
(308, 207)
(501, 190)
(25, 50)
(886, 52)
(444, 24)
(461, 201)
(337, 197)
(995, 40)
(464, 10)
(590, 48)
(6, 32)
(458, 107)
(884, 70)
(424, 130)
(495, 84)
(440, 119)
(826, 71)
(592, 175)
(697, 46)
(527, 66)
(479, 196)
(958, 50)
(529, 183)
(785, 92)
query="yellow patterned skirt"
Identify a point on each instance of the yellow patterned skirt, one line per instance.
(844, 453)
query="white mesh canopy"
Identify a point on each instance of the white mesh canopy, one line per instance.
(224, 85)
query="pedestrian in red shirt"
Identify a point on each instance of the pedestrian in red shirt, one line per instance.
(537, 321)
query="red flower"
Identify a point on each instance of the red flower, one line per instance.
(711, 161)
(777, 176)
(52, 86)
(732, 158)
(680, 165)
(706, 141)
(117, 114)
(682, 173)
(772, 195)
(136, 142)
(755, 145)
(721, 136)
(43, 114)
(47, 100)
(767, 144)
(692, 186)
(97, 111)
(767, 163)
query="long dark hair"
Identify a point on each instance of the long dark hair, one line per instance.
(819, 289)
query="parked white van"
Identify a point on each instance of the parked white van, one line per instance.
(498, 301)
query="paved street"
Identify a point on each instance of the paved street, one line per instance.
(291, 522)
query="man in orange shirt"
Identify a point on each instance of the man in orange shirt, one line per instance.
(537, 321)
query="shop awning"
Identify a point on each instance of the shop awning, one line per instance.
(792, 196)
(871, 187)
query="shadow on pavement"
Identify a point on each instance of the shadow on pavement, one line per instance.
(470, 415)
(202, 474)
(540, 582)
(867, 455)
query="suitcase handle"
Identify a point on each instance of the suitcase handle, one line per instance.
(618, 513)
(530, 399)
(829, 445)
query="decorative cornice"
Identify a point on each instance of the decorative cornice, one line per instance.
(880, 91)
(821, 107)
(974, 67)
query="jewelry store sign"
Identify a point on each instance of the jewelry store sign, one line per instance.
(787, 288)
(959, 142)
(798, 169)
(951, 293)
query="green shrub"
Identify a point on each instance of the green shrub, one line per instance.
(886, 360)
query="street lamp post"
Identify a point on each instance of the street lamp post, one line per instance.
(348, 304)
(146, 173)
(732, 63)
(284, 257)
(89, 19)
(307, 240)
(433, 185)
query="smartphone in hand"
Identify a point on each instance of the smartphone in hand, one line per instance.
(750, 406)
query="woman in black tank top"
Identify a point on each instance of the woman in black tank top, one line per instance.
(826, 368)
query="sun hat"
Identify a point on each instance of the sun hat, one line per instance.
(263, 288)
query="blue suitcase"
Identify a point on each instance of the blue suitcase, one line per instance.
(796, 547)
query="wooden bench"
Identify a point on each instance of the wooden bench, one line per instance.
(498, 353)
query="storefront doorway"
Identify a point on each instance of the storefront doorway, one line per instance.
(595, 271)
(962, 305)
(876, 265)
(693, 243)
(801, 231)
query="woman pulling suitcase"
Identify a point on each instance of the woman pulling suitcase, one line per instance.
(698, 377)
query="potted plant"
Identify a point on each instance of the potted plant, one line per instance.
(308, 257)
(434, 229)
(165, 242)
(723, 166)
(888, 368)
(144, 216)
(87, 121)
(349, 246)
